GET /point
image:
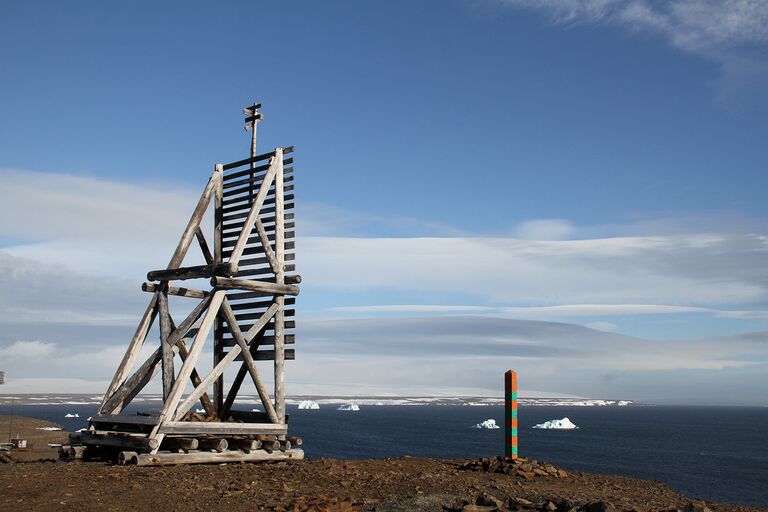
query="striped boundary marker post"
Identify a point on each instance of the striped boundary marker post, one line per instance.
(510, 414)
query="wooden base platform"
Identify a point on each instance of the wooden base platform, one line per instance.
(200, 457)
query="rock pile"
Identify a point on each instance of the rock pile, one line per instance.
(523, 468)
(488, 503)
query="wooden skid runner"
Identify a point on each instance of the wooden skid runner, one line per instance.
(167, 458)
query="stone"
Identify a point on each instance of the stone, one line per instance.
(489, 500)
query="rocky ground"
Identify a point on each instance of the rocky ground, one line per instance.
(398, 484)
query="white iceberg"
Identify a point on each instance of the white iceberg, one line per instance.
(70, 415)
(348, 407)
(489, 423)
(308, 404)
(49, 428)
(563, 424)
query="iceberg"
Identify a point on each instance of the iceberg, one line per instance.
(563, 424)
(308, 404)
(489, 423)
(348, 407)
(49, 428)
(70, 415)
(199, 411)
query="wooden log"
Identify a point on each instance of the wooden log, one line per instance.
(195, 219)
(172, 401)
(248, 161)
(168, 459)
(218, 353)
(201, 241)
(244, 444)
(270, 445)
(132, 352)
(166, 351)
(270, 254)
(295, 441)
(237, 251)
(210, 410)
(279, 358)
(127, 458)
(220, 428)
(213, 444)
(226, 283)
(115, 441)
(180, 443)
(196, 272)
(175, 290)
(217, 370)
(76, 452)
(229, 316)
(285, 445)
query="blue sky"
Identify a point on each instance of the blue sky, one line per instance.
(598, 163)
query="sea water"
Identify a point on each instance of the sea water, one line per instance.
(712, 453)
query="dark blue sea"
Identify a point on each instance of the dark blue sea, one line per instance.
(712, 453)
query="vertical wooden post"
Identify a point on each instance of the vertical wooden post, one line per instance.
(279, 299)
(218, 334)
(510, 414)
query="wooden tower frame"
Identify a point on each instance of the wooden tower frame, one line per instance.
(252, 282)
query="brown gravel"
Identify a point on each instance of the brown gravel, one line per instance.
(383, 485)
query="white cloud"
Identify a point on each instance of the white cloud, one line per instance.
(731, 33)
(26, 350)
(545, 229)
(690, 271)
(602, 326)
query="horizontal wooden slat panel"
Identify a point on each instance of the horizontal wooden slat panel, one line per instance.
(247, 194)
(264, 220)
(251, 295)
(259, 249)
(255, 159)
(263, 271)
(290, 339)
(249, 175)
(264, 211)
(252, 186)
(252, 179)
(269, 355)
(258, 304)
(268, 227)
(257, 240)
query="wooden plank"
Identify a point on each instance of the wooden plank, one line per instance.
(133, 419)
(166, 347)
(248, 161)
(268, 252)
(229, 316)
(269, 355)
(194, 221)
(134, 347)
(196, 272)
(279, 351)
(261, 261)
(243, 202)
(269, 227)
(125, 442)
(225, 283)
(168, 459)
(175, 290)
(237, 252)
(221, 428)
(262, 271)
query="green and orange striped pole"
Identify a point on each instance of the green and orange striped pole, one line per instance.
(510, 414)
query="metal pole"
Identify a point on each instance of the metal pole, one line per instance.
(510, 414)
(10, 424)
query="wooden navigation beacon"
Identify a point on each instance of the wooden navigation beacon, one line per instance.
(252, 279)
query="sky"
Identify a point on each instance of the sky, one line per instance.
(571, 188)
